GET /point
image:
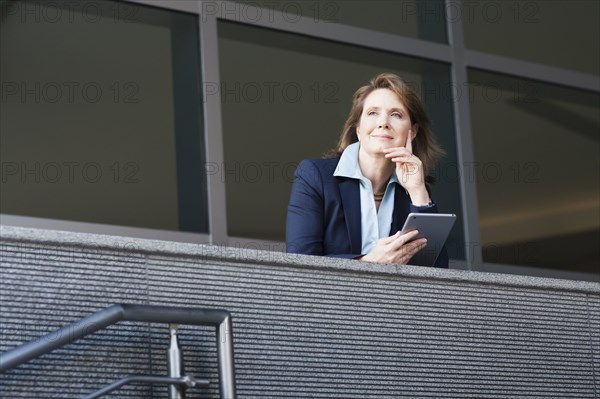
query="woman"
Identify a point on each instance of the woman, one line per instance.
(354, 205)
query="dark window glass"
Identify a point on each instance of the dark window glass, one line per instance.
(101, 115)
(561, 33)
(421, 19)
(537, 167)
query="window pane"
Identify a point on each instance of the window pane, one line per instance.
(561, 33)
(285, 98)
(538, 167)
(422, 19)
(101, 115)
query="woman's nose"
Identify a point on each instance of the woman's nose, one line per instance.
(383, 122)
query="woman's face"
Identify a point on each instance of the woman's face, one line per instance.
(384, 122)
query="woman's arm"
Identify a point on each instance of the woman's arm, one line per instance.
(304, 225)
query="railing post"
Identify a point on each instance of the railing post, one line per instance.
(175, 363)
(225, 353)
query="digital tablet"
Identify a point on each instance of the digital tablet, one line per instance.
(433, 226)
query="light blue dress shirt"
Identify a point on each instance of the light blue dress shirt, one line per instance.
(374, 225)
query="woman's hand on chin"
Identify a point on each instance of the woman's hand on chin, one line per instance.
(409, 170)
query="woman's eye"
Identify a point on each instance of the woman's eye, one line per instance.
(371, 113)
(397, 114)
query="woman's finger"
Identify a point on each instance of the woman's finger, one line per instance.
(403, 239)
(406, 159)
(409, 250)
(390, 239)
(398, 152)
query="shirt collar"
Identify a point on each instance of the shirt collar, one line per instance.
(348, 164)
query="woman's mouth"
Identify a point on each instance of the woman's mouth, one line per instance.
(382, 136)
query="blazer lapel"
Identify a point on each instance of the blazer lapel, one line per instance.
(350, 193)
(401, 205)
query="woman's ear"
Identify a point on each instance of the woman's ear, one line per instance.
(414, 130)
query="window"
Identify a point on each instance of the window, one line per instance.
(561, 33)
(537, 166)
(290, 101)
(101, 115)
(423, 19)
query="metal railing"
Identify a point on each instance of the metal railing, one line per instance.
(177, 382)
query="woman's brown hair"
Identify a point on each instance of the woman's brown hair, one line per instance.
(424, 145)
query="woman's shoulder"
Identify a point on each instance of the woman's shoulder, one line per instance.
(324, 167)
(320, 163)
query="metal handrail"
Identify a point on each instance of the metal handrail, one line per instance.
(221, 319)
(185, 381)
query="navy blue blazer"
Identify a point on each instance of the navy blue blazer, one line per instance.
(324, 212)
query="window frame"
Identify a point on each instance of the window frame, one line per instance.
(453, 53)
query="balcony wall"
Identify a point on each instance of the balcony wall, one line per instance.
(303, 326)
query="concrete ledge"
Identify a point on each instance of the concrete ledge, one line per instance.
(252, 256)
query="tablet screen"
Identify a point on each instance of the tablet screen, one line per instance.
(433, 226)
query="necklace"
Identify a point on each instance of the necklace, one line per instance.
(379, 196)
